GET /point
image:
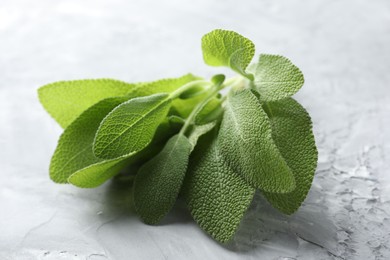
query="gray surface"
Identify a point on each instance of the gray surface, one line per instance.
(343, 49)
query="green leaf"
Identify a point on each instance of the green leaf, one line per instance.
(98, 173)
(276, 77)
(245, 141)
(196, 90)
(66, 100)
(74, 149)
(292, 132)
(130, 127)
(184, 107)
(209, 112)
(216, 196)
(74, 161)
(199, 130)
(158, 182)
(176, 122)
(218, 79)
(228, 48)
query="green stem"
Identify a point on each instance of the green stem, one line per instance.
(234, 82)
(195, 111)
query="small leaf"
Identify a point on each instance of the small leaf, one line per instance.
(158, 182)
(276, 77)
(196, 90)
(228, 48)
(176, 122)
(245, 141)
(74, 149)
(292, 132)
(218, 79)
(209, 112)
(130, 127)
(184, 107)
(199, 130)
(216, 196)
(66, 100)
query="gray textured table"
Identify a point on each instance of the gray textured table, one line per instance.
(343, 49)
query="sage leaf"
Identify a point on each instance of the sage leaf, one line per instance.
(209, 112)
(199, 130)
(158, 182)
(184, 107)
(196, 90)
(176, 122)
(130, 127)
(276, 77)
(66, 100)
(216, 196)
(96, 174)
(74, 149)
(245, 141)
(228, 48)
(292, 132)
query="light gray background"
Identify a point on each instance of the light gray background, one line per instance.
(343, 49)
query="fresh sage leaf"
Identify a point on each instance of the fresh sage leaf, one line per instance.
(158, 182)
(209, 112)
(176, 122)
(217, 196)
(184, 107)
(245, 140)
(193, 92)
(228, 48)
(199, 130)
(276, 77)
(130, 127)
(292, 132)
(96, 174)
(74, 149)
(66, 100)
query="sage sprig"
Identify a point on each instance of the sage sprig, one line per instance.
(183, 136)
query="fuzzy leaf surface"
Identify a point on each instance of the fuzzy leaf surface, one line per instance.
(228, 48)
(216, 196)
(96, 174)
(198, 130)
(209, 112)
(66, 100)
(74, 149)
(130, 127)
(292, 132)
(245, 141)
(276, 77)
(158, 182)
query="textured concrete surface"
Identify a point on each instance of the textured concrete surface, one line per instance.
(342, 47)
